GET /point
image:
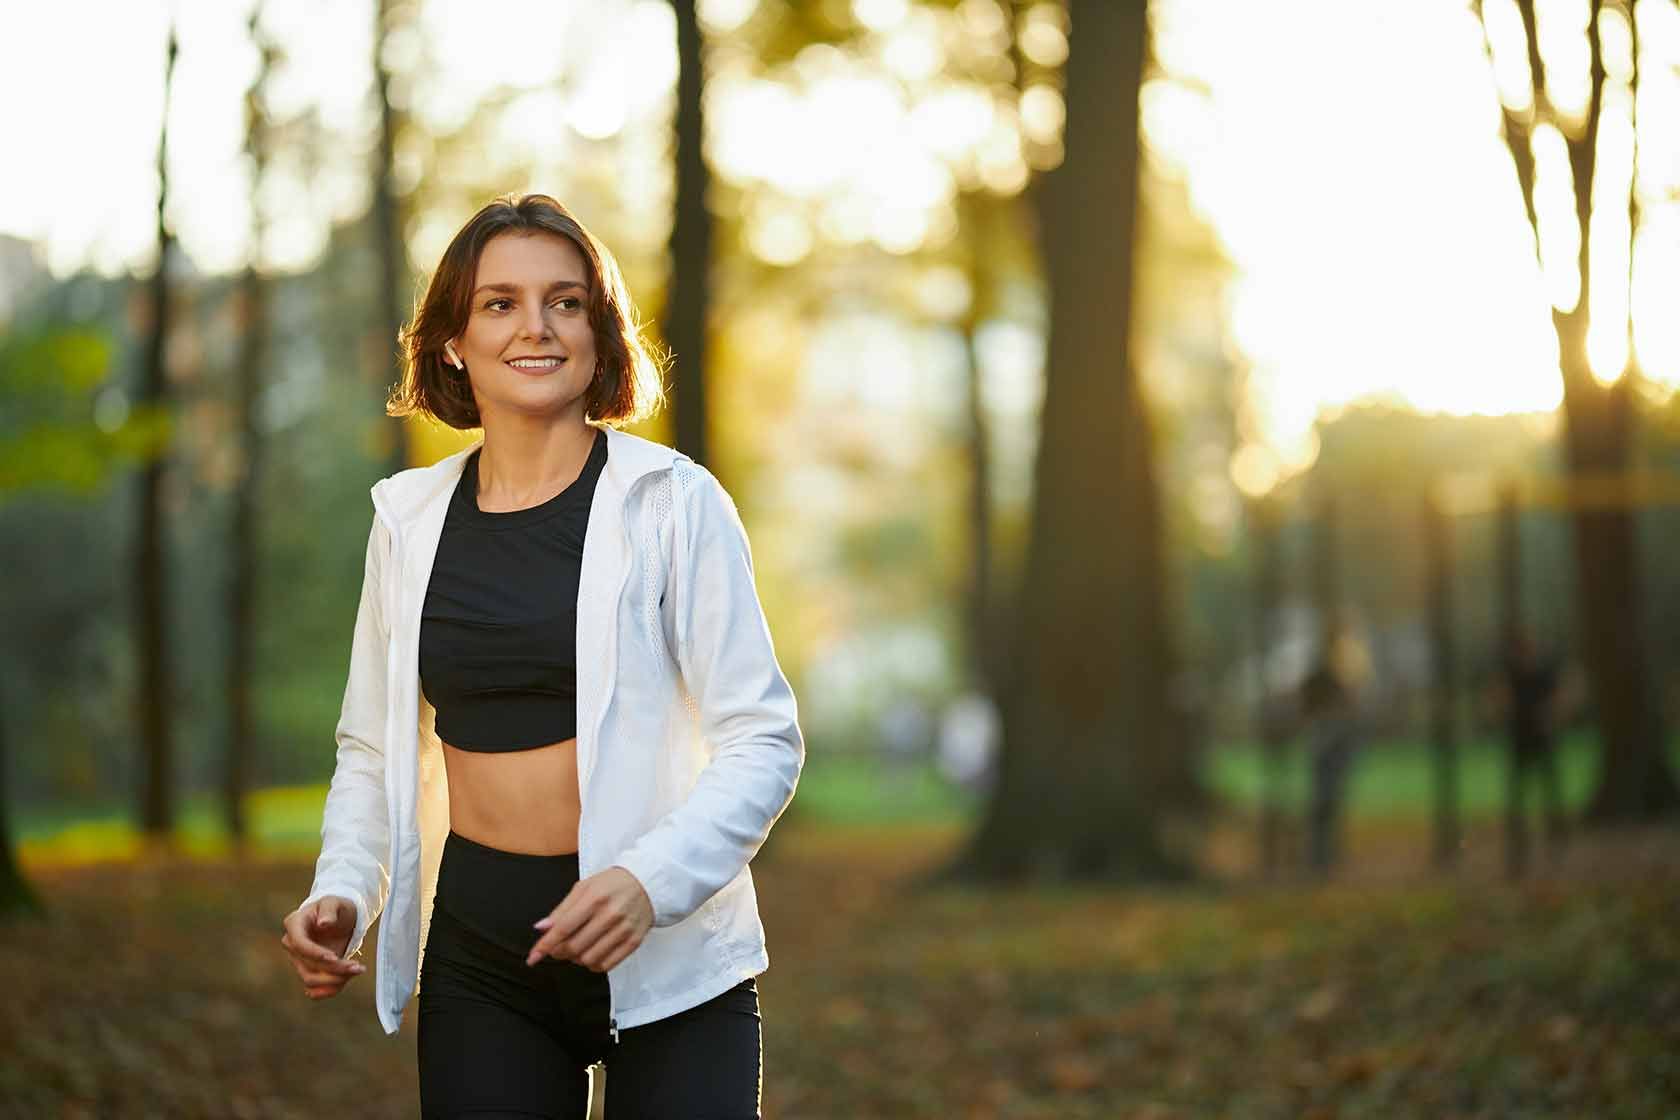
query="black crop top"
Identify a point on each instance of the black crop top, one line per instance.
(498, 632)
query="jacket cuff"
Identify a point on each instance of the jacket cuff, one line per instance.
(650, 873)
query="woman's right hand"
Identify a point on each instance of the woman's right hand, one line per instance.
(315, 936)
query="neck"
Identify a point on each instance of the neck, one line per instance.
(524, 462)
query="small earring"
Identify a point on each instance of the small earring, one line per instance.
(449, 352)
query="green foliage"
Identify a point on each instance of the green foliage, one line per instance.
(51, 434)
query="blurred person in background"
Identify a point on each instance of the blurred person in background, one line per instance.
(1531, 693)
(970, 731)
(1330, 707)
(565, 732)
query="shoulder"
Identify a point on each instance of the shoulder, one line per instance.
(702, 494)
(402, 493)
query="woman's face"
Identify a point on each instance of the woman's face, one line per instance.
(530, 300)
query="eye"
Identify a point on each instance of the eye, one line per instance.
(572, 300)
(491, 305)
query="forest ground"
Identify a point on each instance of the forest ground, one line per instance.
(158, 987)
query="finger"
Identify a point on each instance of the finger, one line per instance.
(310, 974)
(309, 954)
(606, 952)
(586, 935)
(300, 944)
(625, 948)
(329, 922)
(602, 927)
(562, 926)
(314, 966)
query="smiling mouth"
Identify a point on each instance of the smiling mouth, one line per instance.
(537, 365)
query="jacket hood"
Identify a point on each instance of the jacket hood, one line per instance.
(406, 493)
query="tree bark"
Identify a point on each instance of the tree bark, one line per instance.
(691, 246)
(252, 302)
(1443, 692)
(1635, 781)
(1269, 724)
(387, 224)
(151, 585)
(16, 894)
(1088, 728)
(978, 219)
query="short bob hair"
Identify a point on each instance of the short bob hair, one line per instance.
(629, 386)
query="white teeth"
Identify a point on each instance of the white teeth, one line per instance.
(535, 363)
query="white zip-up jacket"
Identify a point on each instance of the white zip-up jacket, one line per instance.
(688, 741)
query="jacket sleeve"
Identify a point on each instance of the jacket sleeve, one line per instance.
(355, 831)
(746, 710)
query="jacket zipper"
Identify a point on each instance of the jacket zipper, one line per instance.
(600, 715)
(389, 590)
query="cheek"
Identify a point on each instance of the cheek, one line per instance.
(483, 335)
(582, 336)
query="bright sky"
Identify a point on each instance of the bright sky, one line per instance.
(1345, 151)
(1349, 156)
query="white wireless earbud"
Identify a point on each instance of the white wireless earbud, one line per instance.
(449, 352)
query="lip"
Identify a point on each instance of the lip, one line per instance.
(555, 361)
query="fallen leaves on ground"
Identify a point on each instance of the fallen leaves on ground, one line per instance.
(160, 989)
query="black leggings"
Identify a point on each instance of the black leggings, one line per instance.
(500, 1039)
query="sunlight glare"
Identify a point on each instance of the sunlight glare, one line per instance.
(1043, 114)
(913, 51)
(880, 15)
(1044, 39)
(1554, 207)
(1506, 38)
(1607, 300)
(720, 17)
(1562, 31)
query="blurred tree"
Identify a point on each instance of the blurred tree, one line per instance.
(49, 441)
(251, 302)
(1600, 424)
(388, 226)
(151, 569)
(1086, 707)
(16, 895)
(687, 305)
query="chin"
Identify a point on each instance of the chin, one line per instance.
(542, 404)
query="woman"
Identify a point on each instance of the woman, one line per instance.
(565, 732)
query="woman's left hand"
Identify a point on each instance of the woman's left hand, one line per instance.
(601, 921)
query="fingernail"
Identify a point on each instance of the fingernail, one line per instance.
(542, 923)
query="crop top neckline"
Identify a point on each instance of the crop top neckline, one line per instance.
(465, 502)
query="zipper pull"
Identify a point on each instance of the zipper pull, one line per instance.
(613, 1029)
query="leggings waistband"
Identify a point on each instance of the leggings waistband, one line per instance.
(500, 894)
(456, 839)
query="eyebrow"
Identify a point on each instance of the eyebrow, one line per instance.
(514, 288)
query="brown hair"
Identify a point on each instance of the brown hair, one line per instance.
(628, 387)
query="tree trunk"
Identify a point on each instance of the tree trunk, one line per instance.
(16, 895)
(252, 301)
(1635, 781)
(1269, 725)
(387, 224)
(1443, 692)
(1087, 726)
(151, 583)
(978, 218)
(691, 247)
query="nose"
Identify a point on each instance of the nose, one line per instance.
(534, 323)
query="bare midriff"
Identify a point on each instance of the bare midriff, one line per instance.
(518, 801)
